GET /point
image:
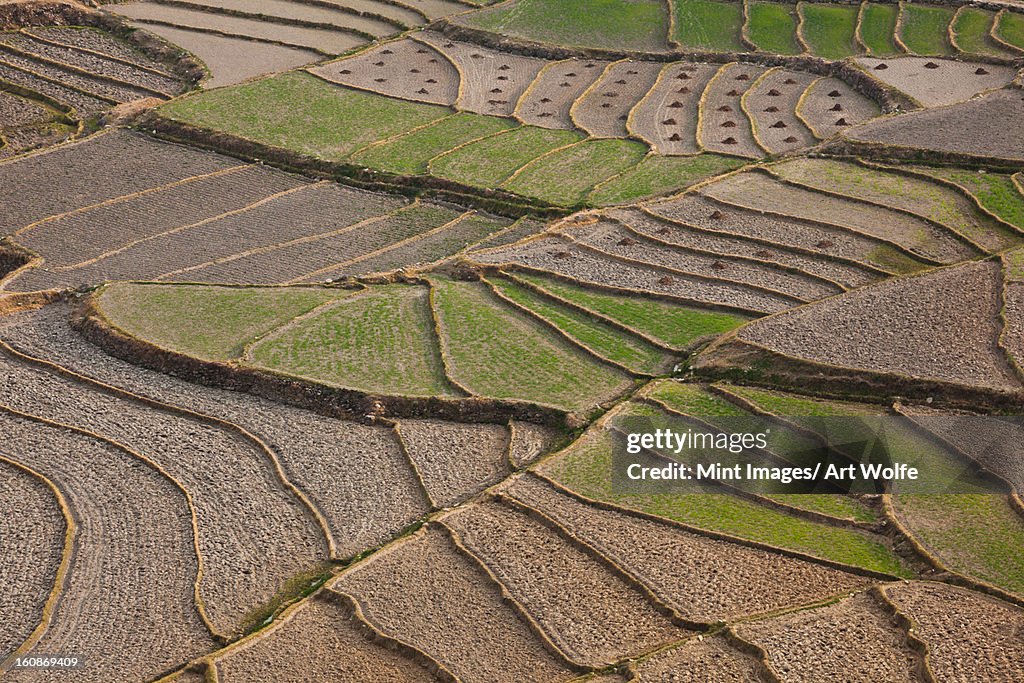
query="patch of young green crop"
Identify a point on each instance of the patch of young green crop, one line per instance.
(379, 341)
(410, 153)
(708, 24)
(995, 191)
(971, 28)
(829, 29)
(784, 404)
(1013, 263)
(832, 504)
(566, 176)
(673, 324)
(925, 29)
(498, 352)
(586, 468)
(489, 162)
(614, 344)
(1011, 28)
(658, 175)
(877, 28)
(693, 399)
(303, 113)
(206, 321)
(893, 260)
(609, 24)
(771, 26)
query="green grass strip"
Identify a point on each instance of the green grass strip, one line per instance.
(658, 175)
(971, 28)
(1011, 28)
(924, 29)
(675, 325)
(489, 162)
(995, 191)
(709, 25)
(208, 322)
(829, 29)
(300, 112)
(410, 153)
(877, 28)
(772, 27)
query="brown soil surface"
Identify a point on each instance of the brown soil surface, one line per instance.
(554, 91)
(319, 14)
(22, 140)
(853, 640)
(965, 631)
(952, 82)
(709, 660)
(425, 592)
(17, 111)
(780, 131)
(591, 613)
(986, 127)
(493, 81)
(760, 192)
(455, 461)
(410, 69)
(95, 86)
(400, 12)
(604, 109)
(667, 118)
(435, 9)
(702, 578)
(941, 325)
(818, 107)
(97, 41)
(32, 526)
(721, 117)
(131, 578)
(83, 105)
(724, 243)
(1013, 311)
(529, 442)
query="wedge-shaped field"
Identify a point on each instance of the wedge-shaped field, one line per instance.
(829, 105)
(338, 17)
(425, 592)
(591, 612)
(494, 351)
(971, 32)
(937, 82)
(455, 461)
(659, 175)
(708, 25)
(133, 557)
(724, 127)
(828, 30)
(84, 105)
(772, 27)
(924, 30)
(962, 626)
(527, 442)
(982, 128)
(914, 235)
(1009, 29)
(771, 105)
(603, 110)
(406, 69)
(547, 101)
(698, 660)
(667, 117)
(996, 192)
(864, 643)
(379, 341)
(877, 28)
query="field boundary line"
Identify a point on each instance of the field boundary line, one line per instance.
(897, 33)
(1018, 181)
(63, 84)
(702, 104)
(397, 136)
(460, 92)
(27, 30)
(229, 34)
(753, 651)
(538, 159)
(60, 577)
(745, 27)
(858, 32)
(516, 116)
(447, 365)
(801, 39)
(910, 628)
(801, 103)
(993, 32)
(951, 34)
(746, 108)
(314, 71)
(396, 431)
(630, 118)
(250, 346)
(586, 93)
(460, 146)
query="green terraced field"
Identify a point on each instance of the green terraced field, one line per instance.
(566, 176)
(672, 324)
(617, 346)
(772, 27)
(829, 29)
(995, 191)
(877, 28)
(494, 351)
(971, 29)
(658, 175)
(924, 29)
(1011, 29)
(708, 24)
(221, 320)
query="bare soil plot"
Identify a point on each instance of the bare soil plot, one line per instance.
(698, 661)
(829, 106)
(380, 341)
(455, 461)
(305, 13)
(20, 140)
(724, 127)
(551, 255)
(492, 82)
(760, 192)
(775, 229)
(603, 110)
(435, 9)
(321, 641)
(939, 326)
(254, 535)
(667, 117)
(852, 640)
(1013, 313)
(725, 243)
(703, 579)
(547, 101)
(355, 474)
(527, 442)
(97, 169)
(403, 68)
(658, 175)
(963, 628)
(771, 105)
(931, 200)
(983, 128)
(33, 527)
(134, 558)
(323, 40)
(944, 82)
(83, 105)
(94, 40)
(591, 613)
(425, 592)
(18, 111)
